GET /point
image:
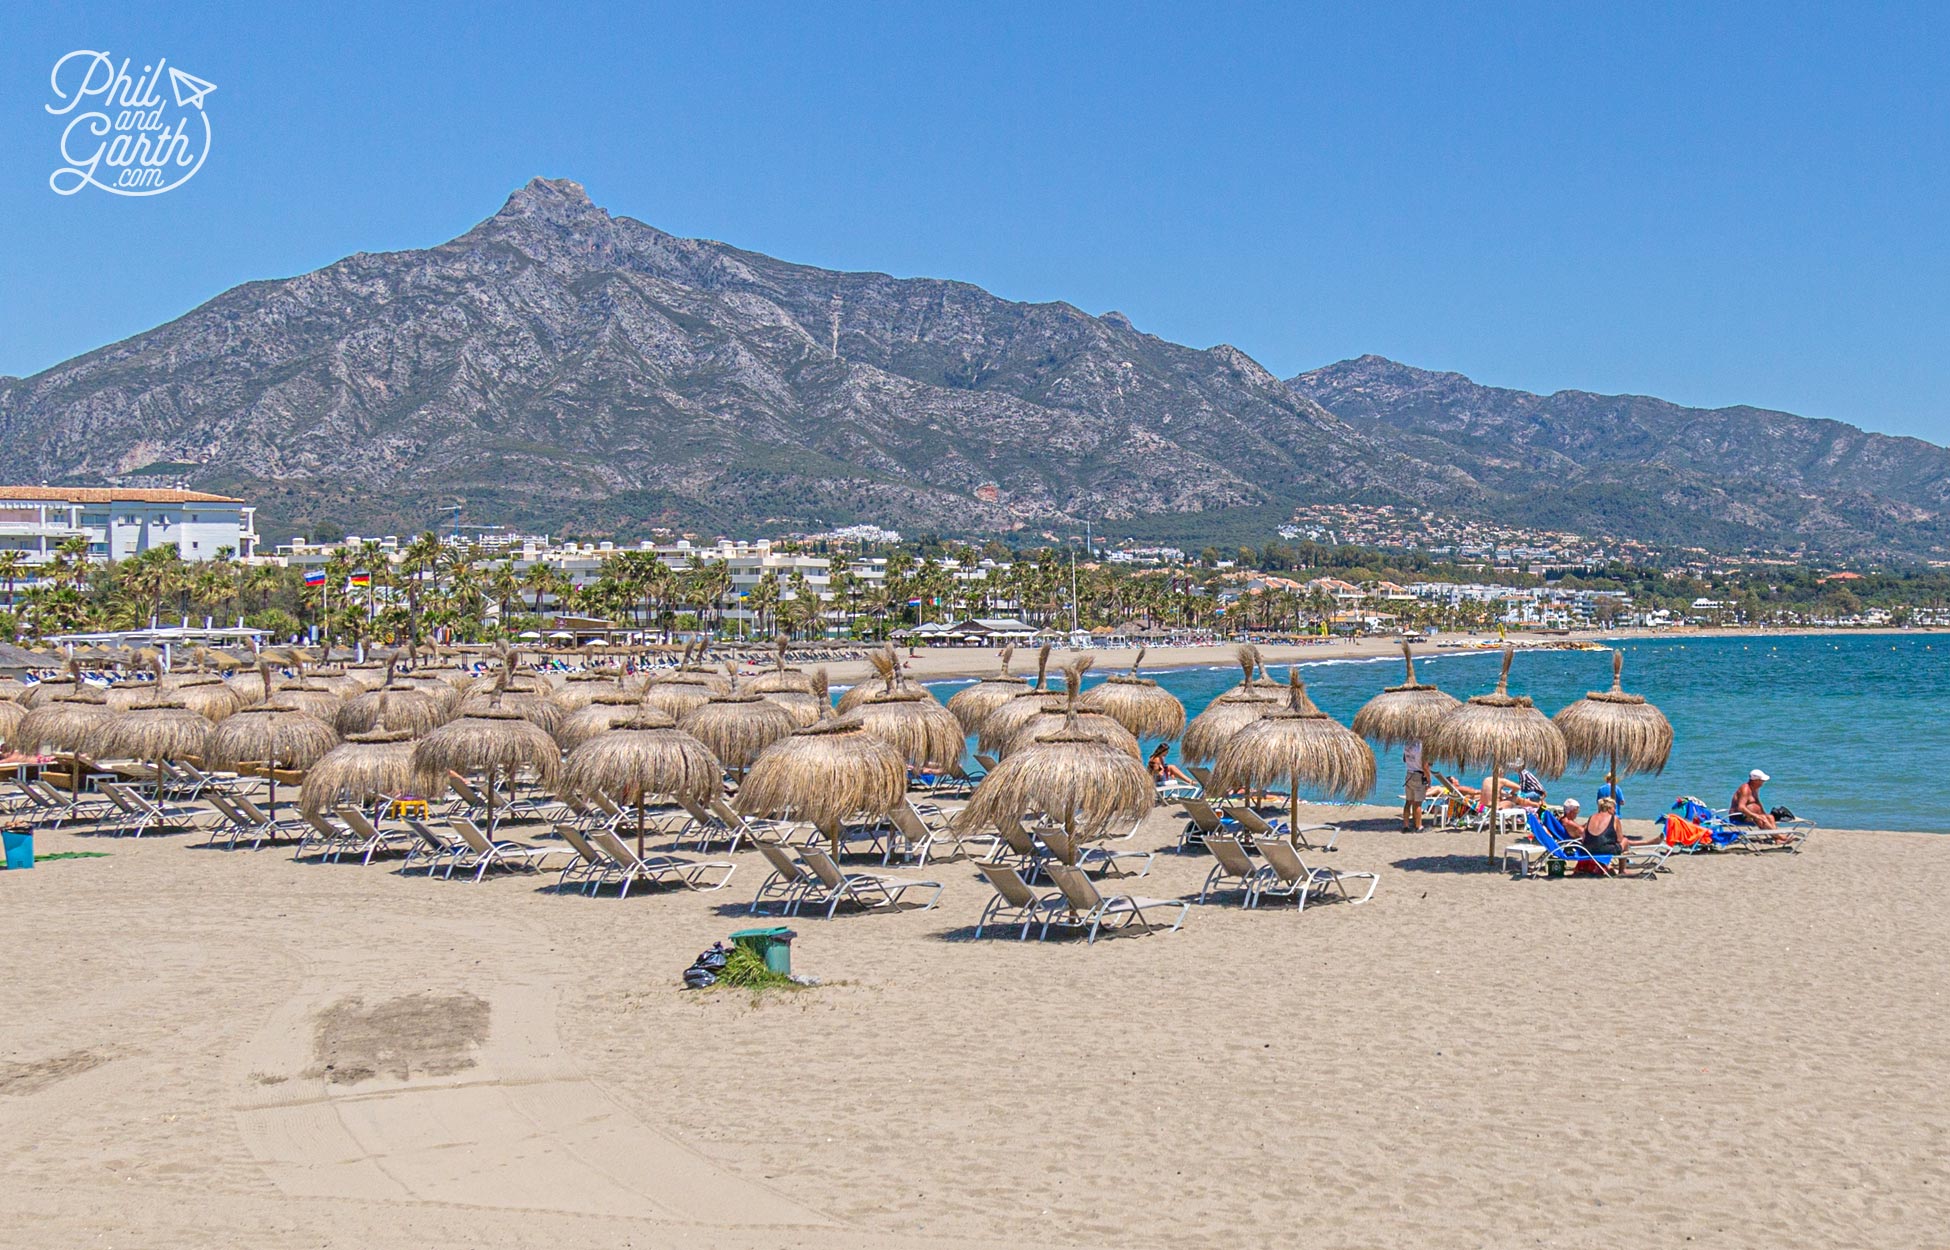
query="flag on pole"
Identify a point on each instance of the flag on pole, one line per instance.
(359, 579)
(315, 578)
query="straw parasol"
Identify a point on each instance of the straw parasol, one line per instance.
(640, 758)
(1622, 729)
(63, 724)
(389, 707)
(307, 696)
(489, 739)
(926, 734)
(682, 690)
(1139, 704)
(1229, 713)
(694, 667)
(161, 728)
(277, 734)
(1296, 743)
(737, 725)
(1075, 778)
(361, 768)
(856, 695)
(1406, 713)
(11, 714)
(828, 773)
(1492, 729)
(509, 693)
(1002, 724)
(603, 713)
(973, 704)
(47, 689)
(578, 690)
(781, 680)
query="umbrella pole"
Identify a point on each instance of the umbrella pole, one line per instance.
(639, 824)
(1496, 796)
(490, 801)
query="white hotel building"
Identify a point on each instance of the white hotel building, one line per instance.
(118, 523)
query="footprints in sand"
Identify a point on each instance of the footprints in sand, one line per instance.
(20, 1079)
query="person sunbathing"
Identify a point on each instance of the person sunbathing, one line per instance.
(1746, 807)
(1569, 818)
(1164, 772)
(1513, 795)
(1602, 835)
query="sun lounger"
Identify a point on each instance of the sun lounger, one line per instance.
(1203, 821)
(1067, 850)
(482, 853)
(871, 891)
(922, 834)
(1731, 835)
(1235, 868)
(1634, 861)
(1256, 826)
(787, 884)
(56, 807)
(627, 867)
(1286, 874)
(368, 838)
(1087, 909)
(323, 838)
(1014, 900)
(435, 849)
(144, 814)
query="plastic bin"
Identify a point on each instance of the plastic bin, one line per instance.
(20, 848)
(773, 945)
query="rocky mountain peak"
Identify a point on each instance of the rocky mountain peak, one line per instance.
(555, 201)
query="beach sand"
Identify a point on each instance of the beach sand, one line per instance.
(209, 1048)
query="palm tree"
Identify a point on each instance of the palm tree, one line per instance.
(13, 566)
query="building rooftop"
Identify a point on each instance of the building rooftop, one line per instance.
(107, 494)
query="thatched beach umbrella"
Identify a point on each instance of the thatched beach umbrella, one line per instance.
(62, 725)
(1625, 731)
(1295, 743)
(307, 696)
(781, 680)
(48, 689)
(492, 741)
(640, 758)
(827, 773)
(276, 734)
(1491, 730)
(524, 696)
(856, 695)
(212, 698)
(973, 704)
(390, 707)
(682, 690)
(1231, 712)
(1081, 781)
(604, 713)
(363, 767)
(578, 690)
(926, 734)
(11, 714)
(164, 729)
(1000, 727)
(1406, 713)
(737, 725)
(1139, 704)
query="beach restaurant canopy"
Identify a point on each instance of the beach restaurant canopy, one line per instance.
(987, 631)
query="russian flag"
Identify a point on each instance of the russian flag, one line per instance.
(913, 603)
(315, 578)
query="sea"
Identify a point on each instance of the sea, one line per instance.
(1847, 726)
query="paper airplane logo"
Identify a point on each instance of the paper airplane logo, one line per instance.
(189, 89)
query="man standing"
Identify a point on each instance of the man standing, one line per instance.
(1746, 808)
(1415, 786)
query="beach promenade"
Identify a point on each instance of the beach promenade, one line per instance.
(211, 1048)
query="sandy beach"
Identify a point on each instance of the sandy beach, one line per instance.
(224, 1048)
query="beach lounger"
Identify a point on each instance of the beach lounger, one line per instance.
(627, 868)
(55, 807)
(322, 837)
(1235, 868)
(1014, 900)
(144, 814)
(1635, 861)
(1087, 909)
(1256, 826)
(435, 849)
(871, 891)
(1287, 874)
(923, 831)
(482, 853)
(1731, 835)
(368, 838)
(241, 819)
(788, 883)
(1065, 849)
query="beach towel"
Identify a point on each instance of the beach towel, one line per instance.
(1685, 833)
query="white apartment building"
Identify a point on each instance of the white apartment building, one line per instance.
(118, 523)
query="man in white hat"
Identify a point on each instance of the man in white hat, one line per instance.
(1572, 824)
(1746, 808)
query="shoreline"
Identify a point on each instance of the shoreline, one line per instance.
(958, 663)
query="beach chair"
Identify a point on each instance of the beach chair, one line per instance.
(718, 821)
(435, 849)
(988, 762)
(1235, 868)
(788, 883)
(1731, 835)
(1065, 849)
(1087, 909)
(147, 814)
(55, 807)
(367, 838)
(1014, 900)
(1637, 861)
(1203, 821)
(482, 853)
(870, 891)
(921, 835)
(321, 838)
(1256, 826)
(627, 867)
(1287, 874)
(228, 782)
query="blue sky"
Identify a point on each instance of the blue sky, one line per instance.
(1714, 205)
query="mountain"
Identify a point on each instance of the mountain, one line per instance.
(1726, 478)
(558, 367)
(562, 369)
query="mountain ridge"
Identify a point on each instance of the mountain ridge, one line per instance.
(558, 367)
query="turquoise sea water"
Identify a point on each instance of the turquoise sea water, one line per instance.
(1848, 727)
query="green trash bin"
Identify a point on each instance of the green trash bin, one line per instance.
(773, 945)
